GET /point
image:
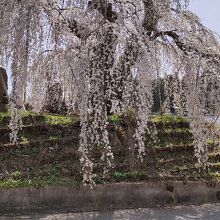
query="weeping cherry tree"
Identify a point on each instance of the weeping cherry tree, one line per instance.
(105, 54)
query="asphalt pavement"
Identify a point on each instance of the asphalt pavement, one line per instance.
(203, 212)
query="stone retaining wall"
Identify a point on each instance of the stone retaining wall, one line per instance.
(107, 197)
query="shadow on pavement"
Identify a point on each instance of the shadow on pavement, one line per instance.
(203, 212)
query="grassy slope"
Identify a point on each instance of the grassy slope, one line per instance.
(51, 171)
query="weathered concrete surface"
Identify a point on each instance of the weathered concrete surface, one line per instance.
(203, 212)
(107, 197)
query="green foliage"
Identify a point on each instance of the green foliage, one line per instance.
(24, 139)
(16, 175)
(115, 119)
(51, 171)
(36, 182)
(213, 176)
(129, 176)
(11, 183)
(53, 138)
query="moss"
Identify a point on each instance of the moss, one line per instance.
(130, 113)
(115, 118)
(60, 119)
(28, 113)
(167, 118)
(48, 118)
(3, 115)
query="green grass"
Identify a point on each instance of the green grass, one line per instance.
(28, 113)
(216, 166)
(60, 119)
(49, 119)
(115, 119)
(51, 178)
(49, 174)
(167, 118)
(213, 176)
(53, 119)
(37, 182)
(31, 138)
(3, 115)
(24, 114)
(11, 183)
(129, 176)
(116, 177)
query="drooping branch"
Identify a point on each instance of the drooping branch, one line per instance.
(186, 48)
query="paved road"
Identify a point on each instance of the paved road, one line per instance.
(204, 212)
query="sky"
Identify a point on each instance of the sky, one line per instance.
(208, 11)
